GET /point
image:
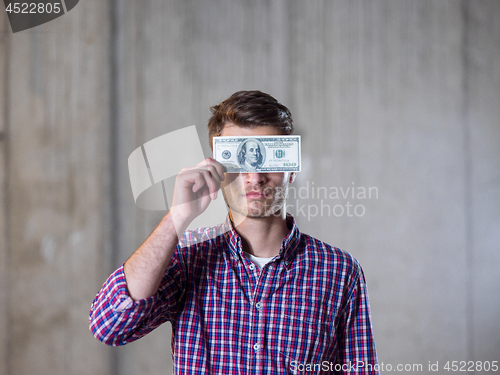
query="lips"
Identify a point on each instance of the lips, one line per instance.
(255, 194)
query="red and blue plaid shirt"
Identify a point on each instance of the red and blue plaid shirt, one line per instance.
(307, 311)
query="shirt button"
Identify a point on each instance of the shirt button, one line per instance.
(258, 305)
(256, 347)
(252, 266)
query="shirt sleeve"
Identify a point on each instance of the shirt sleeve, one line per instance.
(116, 319)
(358, 353)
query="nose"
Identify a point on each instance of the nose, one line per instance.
(255, 178)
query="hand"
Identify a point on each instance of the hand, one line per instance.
(195, 188)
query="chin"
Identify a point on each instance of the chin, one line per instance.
(258, 209)
(264, 211)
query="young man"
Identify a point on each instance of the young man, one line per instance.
(252, 295)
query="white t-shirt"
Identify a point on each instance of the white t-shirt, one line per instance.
(260, 262)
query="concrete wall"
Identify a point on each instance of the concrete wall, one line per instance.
(54, 149)
(399, 96)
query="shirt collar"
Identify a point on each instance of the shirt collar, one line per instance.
(288, 246)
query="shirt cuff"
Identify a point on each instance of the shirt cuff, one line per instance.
(120, 299)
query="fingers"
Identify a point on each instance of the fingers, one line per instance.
(206, 178)
(208, 173)
(214, 163)
(214, 179)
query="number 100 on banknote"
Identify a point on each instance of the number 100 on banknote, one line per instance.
(262, 154)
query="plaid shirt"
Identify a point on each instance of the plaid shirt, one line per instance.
(307, 311)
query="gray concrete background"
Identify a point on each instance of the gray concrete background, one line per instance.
(402, 96)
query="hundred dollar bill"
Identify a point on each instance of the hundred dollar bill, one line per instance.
(258, 153)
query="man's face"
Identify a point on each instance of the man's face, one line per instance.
(255, 194)
(252, 152)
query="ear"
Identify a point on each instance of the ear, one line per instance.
(292, 177)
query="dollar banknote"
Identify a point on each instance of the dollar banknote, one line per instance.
(258, 153)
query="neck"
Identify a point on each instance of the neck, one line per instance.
(261, 236)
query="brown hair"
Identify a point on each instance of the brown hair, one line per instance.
(249, 109)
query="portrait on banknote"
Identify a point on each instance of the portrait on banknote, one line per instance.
(251, 154)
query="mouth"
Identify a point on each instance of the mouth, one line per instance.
(256, 195)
